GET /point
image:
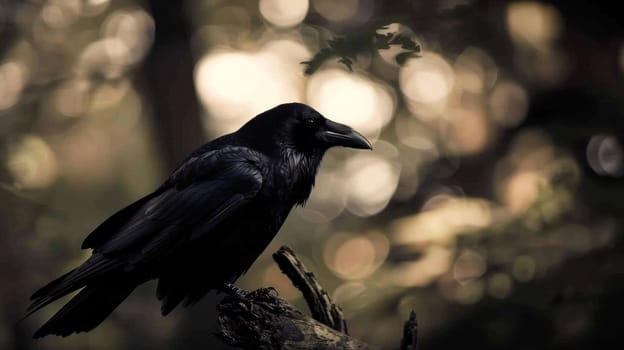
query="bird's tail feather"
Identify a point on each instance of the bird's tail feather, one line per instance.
(45, 290)
(87, 309)
(75, 279)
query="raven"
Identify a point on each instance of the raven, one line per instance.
(205, 225)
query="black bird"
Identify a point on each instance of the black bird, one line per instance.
(206, 225)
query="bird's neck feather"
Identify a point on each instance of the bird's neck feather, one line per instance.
(301, 169)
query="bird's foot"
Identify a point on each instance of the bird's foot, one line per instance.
(234, 291)
(241, 294)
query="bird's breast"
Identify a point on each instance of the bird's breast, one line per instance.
(294, 177)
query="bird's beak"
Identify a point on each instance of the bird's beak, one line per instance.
(336, 134)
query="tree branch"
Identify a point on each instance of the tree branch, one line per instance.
(321, 306)
(264, 321)
(261, 320)
(410, 333)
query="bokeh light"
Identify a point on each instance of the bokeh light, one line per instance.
(469, 130)
(126, 36)
(435, 261)
(133, 31)
(284, 13)
(522, 189)
(94, 7)
(109, 95)
(605, 155)
(523, 268)
(32, 162)
(533, 23)
(499, 285)
(352, 99)
(13, 76)
(61, 13)
(475, 71)
(443, 223)
(468, 266)
(72, 98)
(370, 181)
(416, 134)
(348, 291)
(526, 171)
(336, 10)
(508, 103)
(234, 85)
(467, 200)
(355, 256)
(427, 79)
(469, 293)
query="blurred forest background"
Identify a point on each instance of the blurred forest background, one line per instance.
(491, 203)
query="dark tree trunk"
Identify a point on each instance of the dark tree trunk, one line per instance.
(167, 75)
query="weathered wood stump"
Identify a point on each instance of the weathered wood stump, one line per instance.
(261, 320)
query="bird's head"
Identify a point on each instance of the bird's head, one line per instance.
(299, 127)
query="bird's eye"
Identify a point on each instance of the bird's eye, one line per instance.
(310, 123)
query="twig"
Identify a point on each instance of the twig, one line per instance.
(321, 306)
(410, 333)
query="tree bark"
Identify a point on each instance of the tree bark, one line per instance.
(321, 306)
(262, 320)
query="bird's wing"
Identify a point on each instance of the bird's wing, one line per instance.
(115, 222)
(199, 195)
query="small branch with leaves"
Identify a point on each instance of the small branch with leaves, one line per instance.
(368, 39)
(261, 320)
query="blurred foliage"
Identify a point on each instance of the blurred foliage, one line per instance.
(491, 203)
(365, 39)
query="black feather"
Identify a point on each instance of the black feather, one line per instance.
(205, 225)
(113, 223)
(87, 309)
